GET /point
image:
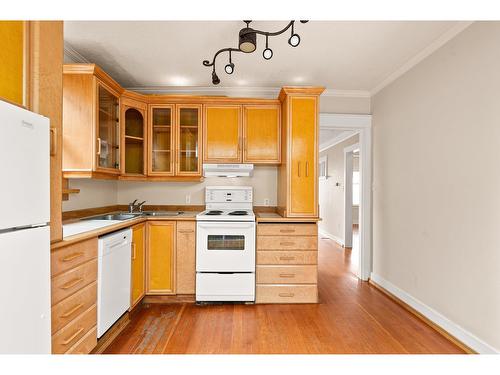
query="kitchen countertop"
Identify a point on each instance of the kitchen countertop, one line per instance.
(274, 217)
(80, 230)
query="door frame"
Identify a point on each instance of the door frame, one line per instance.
(348, 191)
(363, 125)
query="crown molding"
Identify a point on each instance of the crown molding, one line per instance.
(73, 55)
(427, 51)
(238, 91)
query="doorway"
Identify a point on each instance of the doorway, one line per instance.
(360, 124)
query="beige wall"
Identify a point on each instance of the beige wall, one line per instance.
(264, 182)
(436, 201)
(93, 193)
(340, 104)
(331, 197)
(97, 193)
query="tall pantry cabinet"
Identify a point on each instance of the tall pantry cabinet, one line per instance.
(298, 173)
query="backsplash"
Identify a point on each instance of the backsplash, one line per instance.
(97, 193)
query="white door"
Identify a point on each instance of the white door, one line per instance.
(225, 247)
(25, 291)
(24, 150)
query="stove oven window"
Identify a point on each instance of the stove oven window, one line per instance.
(226, 242)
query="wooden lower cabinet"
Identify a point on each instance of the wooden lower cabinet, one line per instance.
(74, 297)
(287, 257)
(138, 270)
(160, 257)
(185, 254)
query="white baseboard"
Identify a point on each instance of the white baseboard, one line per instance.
(331, 236)
(452, 328)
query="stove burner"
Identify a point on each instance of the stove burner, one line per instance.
(238, 213)
(213, 212)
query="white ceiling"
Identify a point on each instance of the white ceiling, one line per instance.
(341, 55)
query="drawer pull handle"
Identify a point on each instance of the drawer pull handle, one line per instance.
(71, 257)
(72, 283)
(286, 294)
(287, 243)
(73, 336)
(287, 258)
(287, 275)
(287, 230)
(72, 311)
(186, 231)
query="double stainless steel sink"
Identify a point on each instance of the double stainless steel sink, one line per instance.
(132, 215)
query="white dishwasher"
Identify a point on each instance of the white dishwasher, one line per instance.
(113, 278)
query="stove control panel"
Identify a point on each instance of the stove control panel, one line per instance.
(236, 194)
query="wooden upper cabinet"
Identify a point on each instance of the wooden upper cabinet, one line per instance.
(222, 133)
(161, 140)
(138, 281)
(133, 138)
(262, 134)
(108, 129)
(161, 257)
(188, 140)
(91, 124)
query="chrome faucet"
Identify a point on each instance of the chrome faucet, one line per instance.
(133, 206)
(140, 205)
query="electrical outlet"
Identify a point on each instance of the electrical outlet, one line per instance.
(266, 202)
(188, 198)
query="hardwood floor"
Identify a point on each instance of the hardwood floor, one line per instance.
(352, 317)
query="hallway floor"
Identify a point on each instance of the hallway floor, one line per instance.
(352, 317)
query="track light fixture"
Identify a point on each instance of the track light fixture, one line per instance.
(247, 43)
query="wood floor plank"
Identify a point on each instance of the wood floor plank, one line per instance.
(352, 317)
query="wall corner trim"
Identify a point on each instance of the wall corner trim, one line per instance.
(427, 51)
(437, 318)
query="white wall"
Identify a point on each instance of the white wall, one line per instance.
(436, 198)
(331, 197)
(98, 193)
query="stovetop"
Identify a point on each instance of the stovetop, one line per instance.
(226, 215)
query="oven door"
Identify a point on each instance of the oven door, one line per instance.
(225, 247)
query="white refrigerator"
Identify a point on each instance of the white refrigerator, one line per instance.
(24, 232)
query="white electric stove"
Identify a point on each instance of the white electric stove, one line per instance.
(225, 246)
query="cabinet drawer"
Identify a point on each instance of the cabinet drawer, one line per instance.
(63, 340)
(286, 294)
(73, 255)
(287, 275)
(73, 280)
(287, 243)
(287, 230)
(287, 257)
(68, 309)
(86, 343)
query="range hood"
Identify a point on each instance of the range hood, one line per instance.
(227, 170)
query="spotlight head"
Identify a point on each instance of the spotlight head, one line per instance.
(267, 53)
(294, 40)
(215, 78)
(229, 68)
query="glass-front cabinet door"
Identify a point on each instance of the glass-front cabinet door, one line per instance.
(188, 143)
(134, 141)
(161, 155)
(108, 130)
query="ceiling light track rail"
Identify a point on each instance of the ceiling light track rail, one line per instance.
(248, 44)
